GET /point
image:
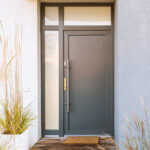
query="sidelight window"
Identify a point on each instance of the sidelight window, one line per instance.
(51, 80)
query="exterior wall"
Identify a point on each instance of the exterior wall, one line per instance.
(24, 12)
(132, 59)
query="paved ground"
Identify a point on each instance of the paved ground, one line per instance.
(57, 144)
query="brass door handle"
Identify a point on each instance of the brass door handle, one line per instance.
(65, 84)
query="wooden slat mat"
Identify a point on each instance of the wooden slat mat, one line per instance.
(82, 140)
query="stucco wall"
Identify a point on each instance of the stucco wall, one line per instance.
(24, 12)
(132, 59)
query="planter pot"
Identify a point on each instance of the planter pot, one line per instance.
(16, 142)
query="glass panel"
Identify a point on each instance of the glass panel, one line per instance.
(97, 15)
(51, 16)
(51, 80)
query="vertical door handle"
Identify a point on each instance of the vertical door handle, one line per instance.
(68, 91)
(66, 84)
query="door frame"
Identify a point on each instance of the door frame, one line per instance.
(61, 28)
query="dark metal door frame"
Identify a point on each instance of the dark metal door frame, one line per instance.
(61, 28)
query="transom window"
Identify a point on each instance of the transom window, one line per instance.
(87, 16)
(79, 15)
(51, 16)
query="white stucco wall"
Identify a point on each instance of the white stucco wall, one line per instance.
(25, 12)
(132, 59)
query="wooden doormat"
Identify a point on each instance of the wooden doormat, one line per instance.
(82, 140)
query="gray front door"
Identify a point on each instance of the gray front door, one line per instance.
(88, 73)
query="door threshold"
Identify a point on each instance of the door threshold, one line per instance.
(58, 137)
(89, 135)
(52, 136)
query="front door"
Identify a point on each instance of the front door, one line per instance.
(77, 69)
(88, 82)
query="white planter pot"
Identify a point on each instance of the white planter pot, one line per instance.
(16, 142)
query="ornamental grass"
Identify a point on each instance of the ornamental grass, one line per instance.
(14, 118)
(136, 133)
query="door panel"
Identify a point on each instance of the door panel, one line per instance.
(90, 82)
